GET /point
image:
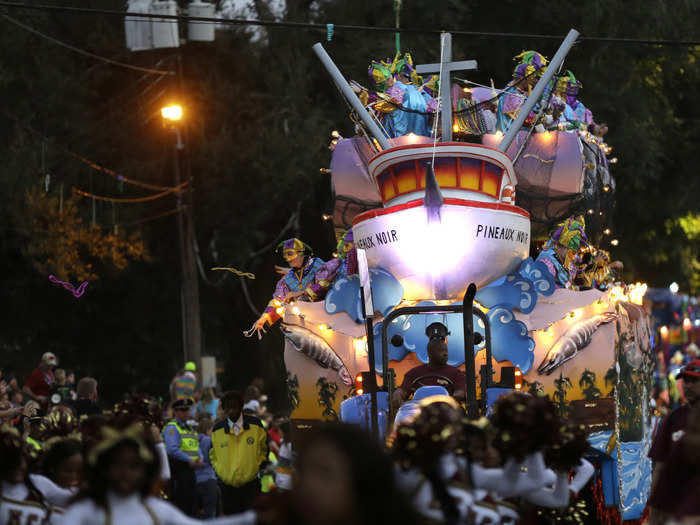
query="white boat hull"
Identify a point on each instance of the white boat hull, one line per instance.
(472, 242)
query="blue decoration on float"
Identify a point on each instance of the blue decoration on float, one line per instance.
(515, 291)
(344, 295)
(538, 273)
(509, 338)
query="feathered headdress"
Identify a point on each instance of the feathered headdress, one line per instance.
(379, 73)
(569, 84)
(529, 62)
(404, 66)
(571, 233)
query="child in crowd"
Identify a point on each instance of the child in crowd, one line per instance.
(61, 392)
(207, 488)
(208, 403)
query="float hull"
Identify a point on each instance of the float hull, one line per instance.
(471, 241)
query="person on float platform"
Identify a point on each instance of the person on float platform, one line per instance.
(525, 76)
(182, 446)
(574, 112)
(436, 372)
(298, 284)
(561, 248)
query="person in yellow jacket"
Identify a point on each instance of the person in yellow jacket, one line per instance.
(238, 451)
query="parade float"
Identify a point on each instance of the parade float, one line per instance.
(430, 190)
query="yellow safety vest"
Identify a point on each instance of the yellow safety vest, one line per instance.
(34, 443)
(189, 443)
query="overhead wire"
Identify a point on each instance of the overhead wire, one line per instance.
(158, 18)
(84, 52)
(131, 200)
(94, 165)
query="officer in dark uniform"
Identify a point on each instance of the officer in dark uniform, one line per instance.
(182, 446)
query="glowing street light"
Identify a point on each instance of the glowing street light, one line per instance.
(172, 113)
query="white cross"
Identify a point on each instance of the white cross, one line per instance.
(445, 68)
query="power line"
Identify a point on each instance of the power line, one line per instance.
(130, 200)
(83, 52)
(92, 164)
(343, 27)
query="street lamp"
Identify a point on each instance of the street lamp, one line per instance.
(191, 329)
(172, 113)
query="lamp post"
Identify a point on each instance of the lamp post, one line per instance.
(189, 291)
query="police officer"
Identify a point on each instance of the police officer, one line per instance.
(182, 446)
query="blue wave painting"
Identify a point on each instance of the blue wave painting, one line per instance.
(510, 340)
(344, 295)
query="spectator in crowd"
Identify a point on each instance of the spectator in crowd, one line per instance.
(238, 451)
(38, 384)
(8, 413)
(61, 392)
(207, 487)
(251, 401)
(283, 468)
(184, 384)
(208, 403)
(275, 434)
(70, 379)
(86, 404)
(671, 477)
(182, 446)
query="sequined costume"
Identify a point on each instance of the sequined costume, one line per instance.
(595, 272)
(404, 106)
(302, 279)
(531, 65)
(570, 234)
(574, 113)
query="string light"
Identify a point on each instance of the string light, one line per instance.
(325, 171)
(326, 217)
(335, 134)
(295, 310)
(590, 211)
(614, 242)
(606, 231)
(613, 160)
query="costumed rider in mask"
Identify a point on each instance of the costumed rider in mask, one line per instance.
(525, 76)
(406, 103)
(560, 250)
(299, 283)
(575, 115)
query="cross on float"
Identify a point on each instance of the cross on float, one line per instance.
(445, 67)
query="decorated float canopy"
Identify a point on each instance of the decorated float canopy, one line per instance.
(435, 232)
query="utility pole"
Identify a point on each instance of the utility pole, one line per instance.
(189, 291)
